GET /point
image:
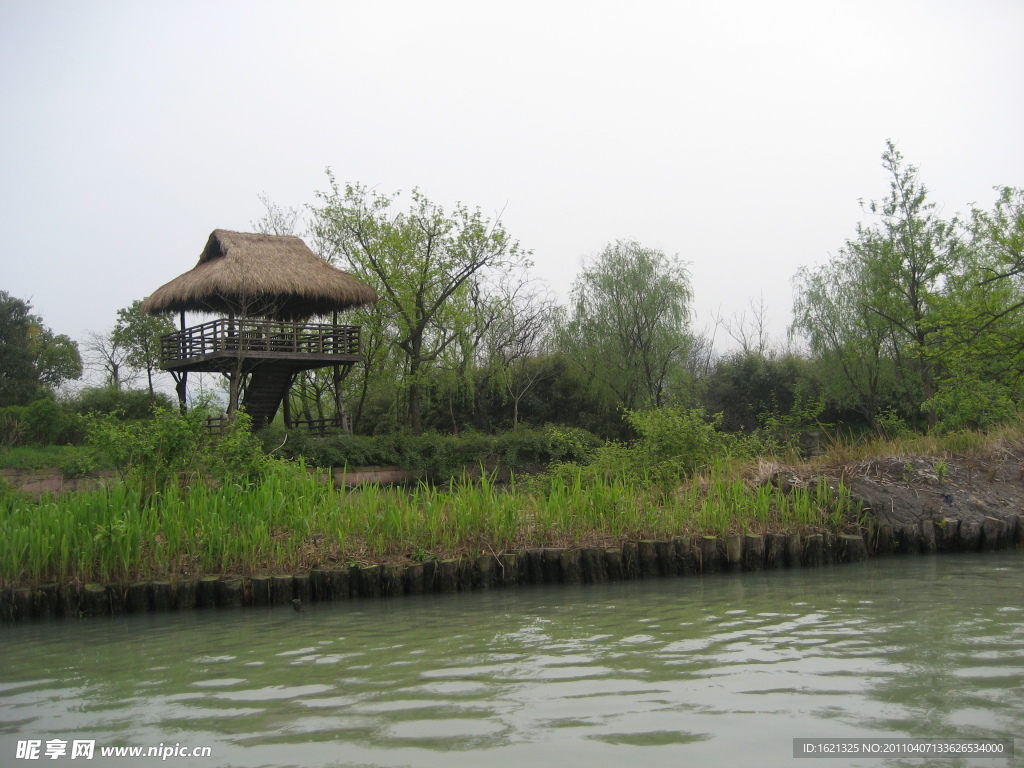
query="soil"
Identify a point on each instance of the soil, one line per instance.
(901, 490)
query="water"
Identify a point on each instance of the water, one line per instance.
(724, 670)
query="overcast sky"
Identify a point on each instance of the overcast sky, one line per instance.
(739, 135)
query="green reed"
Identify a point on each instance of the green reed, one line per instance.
(292, 521)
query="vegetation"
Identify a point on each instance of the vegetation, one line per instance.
(628, 325)
(139, 335)
(290, 520)
(629, 423)
(423, 265)
(33, 360)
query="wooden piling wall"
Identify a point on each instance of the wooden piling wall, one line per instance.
(677, 558)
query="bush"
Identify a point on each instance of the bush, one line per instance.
(237, 454)
(673, 443)
(13, 429)
(50, 423)
(677, 442)
(970, 403)
(528, 446)
(153, 454)
(43, 422)
(122, 403)
(150, 454)
(441, 456)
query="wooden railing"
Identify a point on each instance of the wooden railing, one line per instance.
(258, 336)
(323, 426)
(217, 425)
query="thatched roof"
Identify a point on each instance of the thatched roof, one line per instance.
(254, 275)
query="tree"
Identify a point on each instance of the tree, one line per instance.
(851, 341)
(139, 336)
(992, 289)
(981, 334)
(628, 324)
(748, 389)
(751, 333)
(32, 357)
(109, 356)
(519, 341)
(908, 256)
(419, 262)
(881, 298)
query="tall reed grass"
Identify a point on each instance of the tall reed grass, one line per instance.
(292, 521)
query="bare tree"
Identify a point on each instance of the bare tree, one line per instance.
(276, 220)
(750, 331)
(519, 339)
(107, 355)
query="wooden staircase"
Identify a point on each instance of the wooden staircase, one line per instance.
(267, 387)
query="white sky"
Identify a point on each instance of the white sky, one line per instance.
(739, 135)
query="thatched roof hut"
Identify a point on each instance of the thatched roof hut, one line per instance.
(254, 275)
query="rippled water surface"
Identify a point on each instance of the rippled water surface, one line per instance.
(724, 670)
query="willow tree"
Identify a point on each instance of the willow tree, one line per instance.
(851, 342)
(628, 324)
(419, 261)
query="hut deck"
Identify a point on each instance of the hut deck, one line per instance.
(221, 345)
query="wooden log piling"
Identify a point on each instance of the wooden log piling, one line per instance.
(646, 558)
(162, 595)
(753, 552)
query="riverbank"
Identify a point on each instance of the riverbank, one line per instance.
(293, 537)
(678, 557)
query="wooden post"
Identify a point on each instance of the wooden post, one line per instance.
(647, 554)
(287, 404)
(734, 551)
(510, 568)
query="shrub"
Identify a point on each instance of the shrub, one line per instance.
(50, 423)
(153, 454)
(12, 426)
(122, 403)
(43, 422)
(150, 454)
(677, 441)
(970, 403)
(441, 456)
(673, 443)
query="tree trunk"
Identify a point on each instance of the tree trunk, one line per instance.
(415, 405)
(233, 383)
(415, 417)
(181, 389)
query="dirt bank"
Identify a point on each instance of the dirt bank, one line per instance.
(908, 490)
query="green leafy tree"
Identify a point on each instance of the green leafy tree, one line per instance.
(420, 262)
(628, 325)
(851, 343)
(139, 335)
(32, 358)
(746, 388)
(980, 340)
(908, 256)
(984, 329)
(877, 305)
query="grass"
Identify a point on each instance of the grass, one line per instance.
(967, 444)
(291, 522)
(70, 459)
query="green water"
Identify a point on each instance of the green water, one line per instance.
(724, 670)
